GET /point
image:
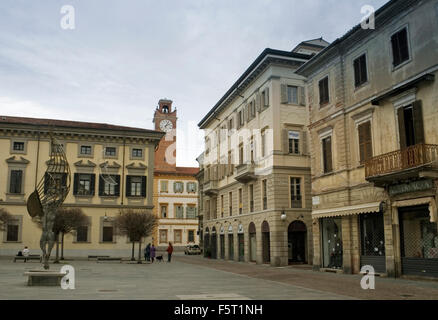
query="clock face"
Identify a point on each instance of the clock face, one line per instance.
(166, 125)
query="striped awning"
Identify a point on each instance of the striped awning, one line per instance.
(346, 211)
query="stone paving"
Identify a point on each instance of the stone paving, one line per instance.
(197, 278)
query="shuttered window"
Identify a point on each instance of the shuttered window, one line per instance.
(324, 91)
(179, 211)
(410, 122)
(294, 142)
(84, 184)
(327, 154)
(136, 186)
(360, 71)
(15, 181)
(365, 141)
(400, 48)
(295, 193)
(109, 185)
(12, 231)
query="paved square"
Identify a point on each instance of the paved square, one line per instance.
(197, 278)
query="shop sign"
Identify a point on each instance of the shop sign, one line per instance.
(410, 187)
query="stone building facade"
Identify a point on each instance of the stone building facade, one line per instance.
(256, 203)
(112, 168)
(373, 109)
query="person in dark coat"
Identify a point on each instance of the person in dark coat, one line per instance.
(169, 252)
(147, 252)
(152, 253)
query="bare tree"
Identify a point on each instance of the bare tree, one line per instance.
(66, 221)
(5, 217)
(136, 225)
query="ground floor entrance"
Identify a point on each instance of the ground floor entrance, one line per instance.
(331, 238)
(297, 237)
(418, 242)
(230, 247)
(222, 240)
(241, 246)
(266, 242)
(372, 241)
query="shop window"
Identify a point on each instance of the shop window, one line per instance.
(331, 234)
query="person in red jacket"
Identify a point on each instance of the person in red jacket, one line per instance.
(169, 252)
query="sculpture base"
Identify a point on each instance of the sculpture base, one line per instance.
(44, 278)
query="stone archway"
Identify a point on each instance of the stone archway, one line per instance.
(266, 243)
(252, 242)
(297, 242)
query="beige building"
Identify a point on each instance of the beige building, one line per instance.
(256, 202)
(372, 100)
(175, 188)
(112, 168)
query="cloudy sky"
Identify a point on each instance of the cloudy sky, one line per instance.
(123, 56)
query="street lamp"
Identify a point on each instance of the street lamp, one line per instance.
(283, 215)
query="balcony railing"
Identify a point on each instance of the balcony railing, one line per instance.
(411, 157)
(210, 187)
(245, 172)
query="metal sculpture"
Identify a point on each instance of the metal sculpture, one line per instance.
(49, 195)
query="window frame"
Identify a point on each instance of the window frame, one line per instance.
(301, 191)
(363, 83)
(325, 102)
(408, 43)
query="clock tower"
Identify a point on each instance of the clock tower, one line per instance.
(165, 120)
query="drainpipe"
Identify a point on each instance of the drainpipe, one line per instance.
(37, 159)
(122, 180)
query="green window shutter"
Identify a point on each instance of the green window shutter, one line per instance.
(143, 186)
(92, 184)
(75, 182)
(101, 185)
(301, 96)
(128, 186)
(117, 187)
(285, 141)
(401, 128)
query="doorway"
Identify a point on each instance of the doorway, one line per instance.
(252, 242)
(266, 243)
(297, 236)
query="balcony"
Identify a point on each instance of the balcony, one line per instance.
(417, 161)
(245, 172)
(210, 188)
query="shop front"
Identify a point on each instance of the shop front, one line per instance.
(213, 245)
(230, 243)
(372, 241)
(241, 243)
(331, 236)
(222, 243)
(418, 240)
(207, 248)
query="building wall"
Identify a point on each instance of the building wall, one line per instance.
(94, 206)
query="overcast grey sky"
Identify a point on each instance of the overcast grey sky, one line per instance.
(123, 56)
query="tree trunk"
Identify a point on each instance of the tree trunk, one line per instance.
(139, 251)
(57, 249)
(132, 254)
(62, 246)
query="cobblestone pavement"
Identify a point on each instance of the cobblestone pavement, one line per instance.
(330, 283)
(197, 278)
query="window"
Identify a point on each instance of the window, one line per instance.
(222, 206)
(59, 182)
(163, 236)
(295, 193)
(191, 212)
(177, 236)
(86, 150)
(400, 48)
(265, 194)
(241, 154)
(108, 232)
(327, 154)
(294, 142)
(163, 210)
(360, 70)
(252, 109)
(324, 91)
(365, 143)
(137, 153)
(16, 181)
(191, 236)
(109, 185)
(230, 203)
(410, 122)
(251, 198)
(191, 187)
(110, 151)
(12, 231)
(292, 94)
(18, 146)
(240, 201)
(230, 124)
(179, 211)
(265, 97)
(136, 186)
(263, 143)
(82, 234)
(83, 184)
(178, 187)
(164, 184)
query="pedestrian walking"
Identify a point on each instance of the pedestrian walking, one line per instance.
(169, 251)
(147, 252)
(152, 253)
